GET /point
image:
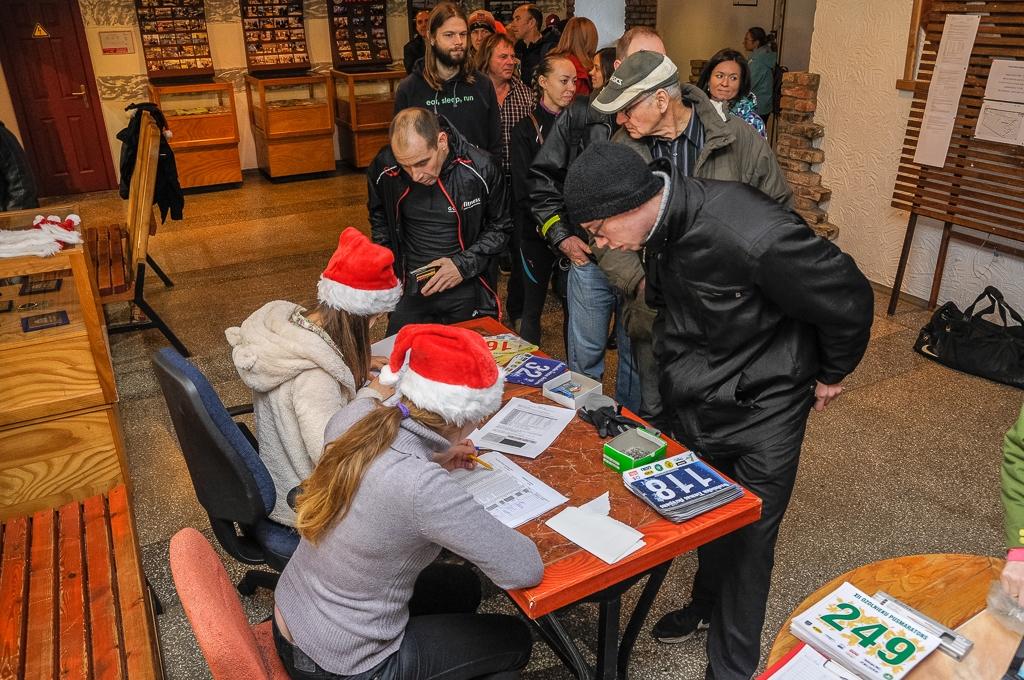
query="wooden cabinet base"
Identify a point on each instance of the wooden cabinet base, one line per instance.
(48, 463)
(359, 148)
(283, 157)
(208, 167)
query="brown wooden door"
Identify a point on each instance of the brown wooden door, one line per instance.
(54, 92)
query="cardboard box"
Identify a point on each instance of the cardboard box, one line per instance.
(615, 450)
(585, 386)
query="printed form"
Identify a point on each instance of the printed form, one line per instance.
(511, 494)
(523, 428)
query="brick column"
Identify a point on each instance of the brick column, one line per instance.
(641, 13)
(696, 66)
(795, 149)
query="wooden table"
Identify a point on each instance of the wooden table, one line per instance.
(947, 587)
(571, 574)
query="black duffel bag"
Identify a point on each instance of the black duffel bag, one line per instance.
(967, 342)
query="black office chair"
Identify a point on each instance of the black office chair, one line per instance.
(230, 480)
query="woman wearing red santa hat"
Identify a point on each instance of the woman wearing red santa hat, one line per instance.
(303, 365)
(360, 597)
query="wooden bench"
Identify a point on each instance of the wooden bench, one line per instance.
(118, 253)
(73, 600)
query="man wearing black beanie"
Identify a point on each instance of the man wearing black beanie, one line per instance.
(758, 321)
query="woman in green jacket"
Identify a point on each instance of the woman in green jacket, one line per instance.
(1013, 505)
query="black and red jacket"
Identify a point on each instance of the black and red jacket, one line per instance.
(474, 184)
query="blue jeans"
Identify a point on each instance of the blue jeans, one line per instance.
(592, 299)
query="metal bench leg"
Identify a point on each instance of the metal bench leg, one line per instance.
(158, 606)
(158, 323)
(159, 272)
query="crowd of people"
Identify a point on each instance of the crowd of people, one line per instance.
(658, 215)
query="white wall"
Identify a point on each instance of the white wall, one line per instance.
(608, 15)
(859, 48)
(696, 29)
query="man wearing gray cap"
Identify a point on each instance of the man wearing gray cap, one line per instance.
(758, 320)
(661, 118)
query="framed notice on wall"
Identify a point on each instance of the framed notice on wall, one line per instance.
(275, 36)
(502, 9)
(360, 32)
(174, 39)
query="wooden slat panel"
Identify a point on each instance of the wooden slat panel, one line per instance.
(118, 280)
(103, 262)
(74, 644)
(139, 635)
(104, 628)
(13, 572)
(42, 639)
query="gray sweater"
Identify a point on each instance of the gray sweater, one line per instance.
(346, 601)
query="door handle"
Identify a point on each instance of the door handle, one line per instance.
(83, 93)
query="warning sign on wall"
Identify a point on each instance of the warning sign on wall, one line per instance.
(39, 32)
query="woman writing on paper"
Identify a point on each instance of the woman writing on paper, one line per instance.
(378, 509)
(303, 365)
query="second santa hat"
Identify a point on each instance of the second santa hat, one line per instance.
(445, 370)
(360, 277)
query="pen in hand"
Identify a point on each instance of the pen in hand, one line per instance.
(479, 461)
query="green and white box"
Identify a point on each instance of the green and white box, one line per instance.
(633, 448)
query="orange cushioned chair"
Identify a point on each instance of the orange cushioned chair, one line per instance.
(233, 649)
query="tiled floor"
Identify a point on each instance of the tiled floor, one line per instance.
(906, 461)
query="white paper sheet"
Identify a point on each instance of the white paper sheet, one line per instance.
(382, 348)
(1000, 122)
(523, 428)
(808, 664)
(1005, 81)
(946, 86)
(590, 527)
(509, 493)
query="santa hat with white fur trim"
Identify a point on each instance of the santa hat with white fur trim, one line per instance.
(445, 370)
(360, 277)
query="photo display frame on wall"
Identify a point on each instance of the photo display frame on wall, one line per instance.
(175, 43)
(359, 29)
(275, 36)
(502, 9)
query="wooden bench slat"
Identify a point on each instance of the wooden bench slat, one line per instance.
(42, 639)
(119, 278)
(103, 262)
(135, 622)
(12, 596)
(104, 632)
(74, 648)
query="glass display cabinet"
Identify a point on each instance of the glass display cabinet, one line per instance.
(366, 100)
(292, 123)
(204, 129)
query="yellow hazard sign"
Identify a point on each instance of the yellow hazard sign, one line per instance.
(39, 32)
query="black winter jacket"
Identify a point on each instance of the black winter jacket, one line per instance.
(753, 308)
(167, 192)
(470, 107)
(578, 126)
(476, 188)
(17, 183)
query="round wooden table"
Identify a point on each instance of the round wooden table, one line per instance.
(949, 588)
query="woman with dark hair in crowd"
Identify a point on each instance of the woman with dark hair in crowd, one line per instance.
(726, 80)
(578, 43)
(603, 68)
(763, 58)
(555, 86)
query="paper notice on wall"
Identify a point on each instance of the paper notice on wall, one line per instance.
(946, 86)
(1001, 118)
(1001, 122)
(1006, 81)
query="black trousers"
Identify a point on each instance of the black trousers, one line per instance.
(444, 639)
(734, 572)
(539, 266)
(447, 307)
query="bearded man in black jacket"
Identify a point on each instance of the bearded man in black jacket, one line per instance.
(758, 321)
(441, 205)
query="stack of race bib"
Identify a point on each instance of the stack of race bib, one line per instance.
(680, 487)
